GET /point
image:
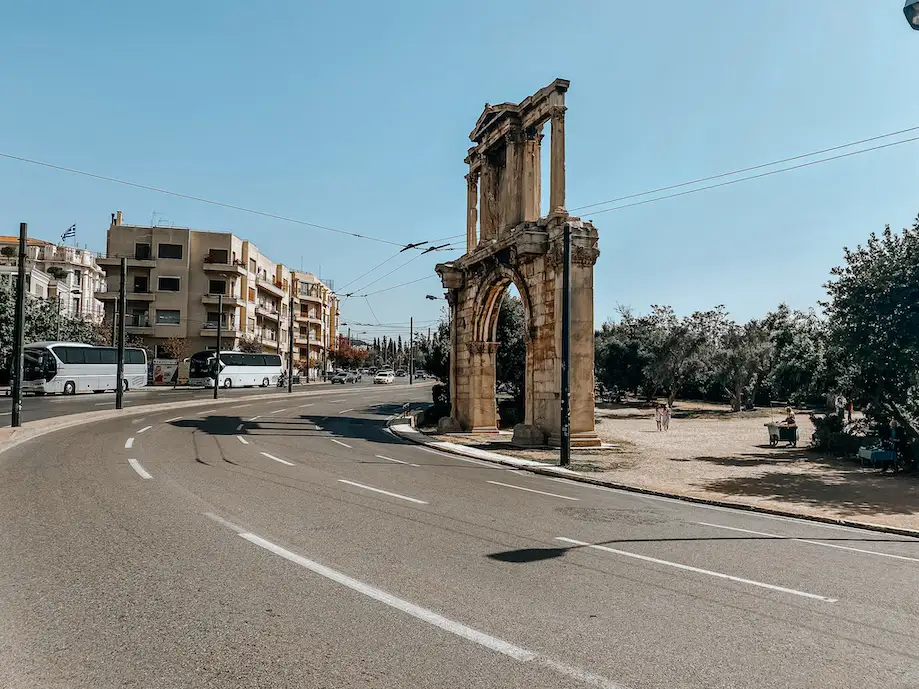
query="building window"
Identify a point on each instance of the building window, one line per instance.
(217, 287)
(165, 284)
(253, 267)
(217, 256)
(141, 283)
(142, 252)
(168, 316)
(251, 324)
(252, 294)
(173, 251)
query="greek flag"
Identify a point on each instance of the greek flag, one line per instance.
(71, 232)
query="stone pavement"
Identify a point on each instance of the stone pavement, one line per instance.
(724, 459)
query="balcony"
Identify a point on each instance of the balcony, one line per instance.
(315, 298)
(270, 286)
(228, 300)
(266, 312)
(228, 329)
(136, 261)
(131, 296)
(138, 324)
(309, 318)
(220, 264)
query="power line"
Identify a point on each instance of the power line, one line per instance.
(746, 179)
(379, 265)
(396, 269)
(748, 169)
(196, 198)
(404, 284)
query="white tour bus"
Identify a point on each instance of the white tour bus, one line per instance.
(237, 369)
(72, 367)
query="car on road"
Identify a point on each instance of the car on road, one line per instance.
(383, 378)
(400, 373)
(420, 375)
(343, 377)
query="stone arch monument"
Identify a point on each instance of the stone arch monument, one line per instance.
(508, 241)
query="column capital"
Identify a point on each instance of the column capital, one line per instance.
(557, 112)
(472, 179)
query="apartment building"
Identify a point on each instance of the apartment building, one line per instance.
(317, 319)
(76, 276)
(180, 282)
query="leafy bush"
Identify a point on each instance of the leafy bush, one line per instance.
(824, 428)
(440, 395)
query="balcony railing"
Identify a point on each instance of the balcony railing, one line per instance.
(227, 323)
(140, 320)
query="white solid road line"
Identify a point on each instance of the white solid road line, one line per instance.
(129, 443)
(384, 492)
(807, 540)
(240, 406)
(345, 411)
(340, 443)
(108, 404)
(277, 459)
(697, 570)
(531, 490)
(493, 643)
(202, 413)
(397, 461)
(254, 418)
(490, 465)
(135, 465)
(145, 428)
(176, 418)
(277, 411)
(303, 406)
(242, 440)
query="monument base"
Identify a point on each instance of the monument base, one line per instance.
(527, 435)
(583, 439)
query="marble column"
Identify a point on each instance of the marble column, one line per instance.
(489, 214)
(532, 174)
(557, 167)
(513, 171)
(472, 212)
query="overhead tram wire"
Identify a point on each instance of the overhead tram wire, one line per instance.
(751, 177)
(220, 204)
(754, 167)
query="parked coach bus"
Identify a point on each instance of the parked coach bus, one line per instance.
(72, 367)
(237, 369)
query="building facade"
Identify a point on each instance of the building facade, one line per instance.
(180, 282)
(77, 274)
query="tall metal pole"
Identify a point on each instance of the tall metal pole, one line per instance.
(19, 327)
(115, 323)
(219, 335)
(565, 449)
(290, 347)
(411, 348)
(122, 308)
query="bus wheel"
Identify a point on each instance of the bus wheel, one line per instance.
(228, 383)
(70, 388)
(265, 382)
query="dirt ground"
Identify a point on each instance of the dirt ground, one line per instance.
(710, 452)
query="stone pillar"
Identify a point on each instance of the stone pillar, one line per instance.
(557, 168)
(532, 174)
(513, 171)
(484, 413)
(488, 219)
(472, 212)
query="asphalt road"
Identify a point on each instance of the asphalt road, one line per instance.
(298, 544)
(35, 408)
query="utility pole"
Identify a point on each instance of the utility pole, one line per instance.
(19, 327)
(411, 348)
(122, 301)
(219, 335)
(565, 397)
(290, 343)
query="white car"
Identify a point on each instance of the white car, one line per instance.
(384, 378)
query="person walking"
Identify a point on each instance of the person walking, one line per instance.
(658, 416)
(665, 417)
(840, 404)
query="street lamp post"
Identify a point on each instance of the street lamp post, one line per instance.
(911, 10)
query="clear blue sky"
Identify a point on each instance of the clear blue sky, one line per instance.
(356, 115)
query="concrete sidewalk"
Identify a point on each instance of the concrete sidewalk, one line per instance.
(403, 429)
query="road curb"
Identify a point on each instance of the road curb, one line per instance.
(419, 438)
(13, 437)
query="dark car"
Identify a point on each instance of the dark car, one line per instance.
(400, 373)
(343, 377)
